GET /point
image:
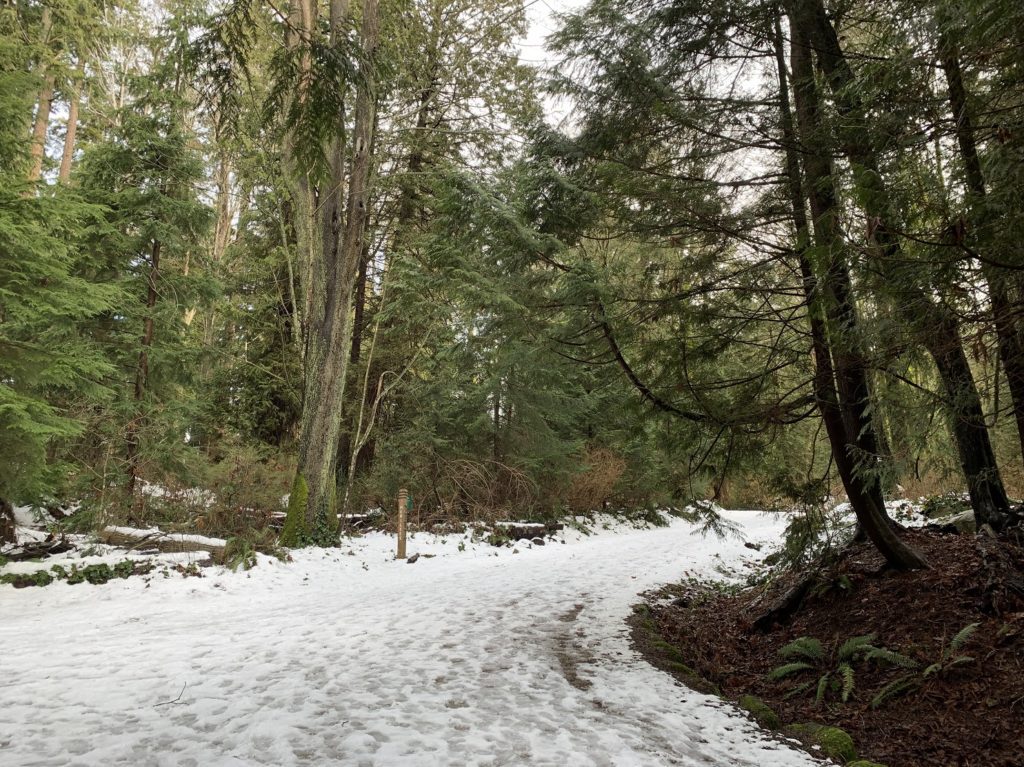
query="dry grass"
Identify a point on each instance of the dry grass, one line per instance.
(591, 488)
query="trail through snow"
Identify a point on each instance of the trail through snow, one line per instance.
(350, 659)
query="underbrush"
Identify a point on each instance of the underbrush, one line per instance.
(239, 499)
(95, 574)
(908, 668)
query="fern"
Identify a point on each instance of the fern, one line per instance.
(960, 660)
(805, 647)
(800, 688)
(946, 659)
(891, 657)
(789, 669)
(846, 672)
(855, 645)
(896, 688)
(819, 696)
(912, 681)
(962, 637)
(836, 672)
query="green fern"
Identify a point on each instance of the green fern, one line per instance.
(846, 672)
(947, 660)
(909, 682)
(803, 647)
(800, 688)
(962, 637)
(819, 696)
(789, 669)
(891, 657)
(855, 646)
(895, 688)
(836, 672)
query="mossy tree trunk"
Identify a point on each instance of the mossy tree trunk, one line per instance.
(334, 243)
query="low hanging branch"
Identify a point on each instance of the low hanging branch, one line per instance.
(778, 414)
(640, 386)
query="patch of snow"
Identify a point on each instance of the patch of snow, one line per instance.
(195, 495)
(538, 525)
(26, 516)
(347, 656)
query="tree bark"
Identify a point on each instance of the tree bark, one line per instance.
(934, 325)
(8, 525)
(68, 156)
(37, 150)
(840, 379)
(334, 276)
(348, 469)
(42, 123)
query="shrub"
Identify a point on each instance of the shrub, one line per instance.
(594, 486)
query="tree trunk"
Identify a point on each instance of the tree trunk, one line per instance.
(1005, 314)
(348, 468)
(496, 448)
(933, 324)
(37, 150)
(840, 378)
(142, 370)
(39, 129)
(69, 136)
(8, 524)
(334, 276)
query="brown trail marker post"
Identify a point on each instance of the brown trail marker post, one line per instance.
(403, 500)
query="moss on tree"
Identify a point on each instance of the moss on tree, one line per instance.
(294, 532)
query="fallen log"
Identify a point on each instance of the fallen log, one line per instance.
(166, 542)
(514, 531)
(36, 549)
(786, 604)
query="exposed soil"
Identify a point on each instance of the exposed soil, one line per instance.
(970, 715)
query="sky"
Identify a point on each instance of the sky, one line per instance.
(541, 15)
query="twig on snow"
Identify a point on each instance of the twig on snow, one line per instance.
(169, 702)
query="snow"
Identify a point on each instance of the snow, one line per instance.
(25, 516)
(537, 525)
(478, 656)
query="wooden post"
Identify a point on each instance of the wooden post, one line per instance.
(403, 496)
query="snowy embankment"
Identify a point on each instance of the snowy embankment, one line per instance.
(476, 656)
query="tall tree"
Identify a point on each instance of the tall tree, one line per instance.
(934, 324)
(845, 401)
(331, 241)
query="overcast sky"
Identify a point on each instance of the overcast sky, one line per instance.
(541, 16)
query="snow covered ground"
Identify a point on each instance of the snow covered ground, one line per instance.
(476, 656)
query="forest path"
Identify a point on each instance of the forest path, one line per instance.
(465, 659)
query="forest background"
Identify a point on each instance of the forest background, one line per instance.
(771, 256)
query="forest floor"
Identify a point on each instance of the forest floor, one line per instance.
(966, 714)
(470, 656)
